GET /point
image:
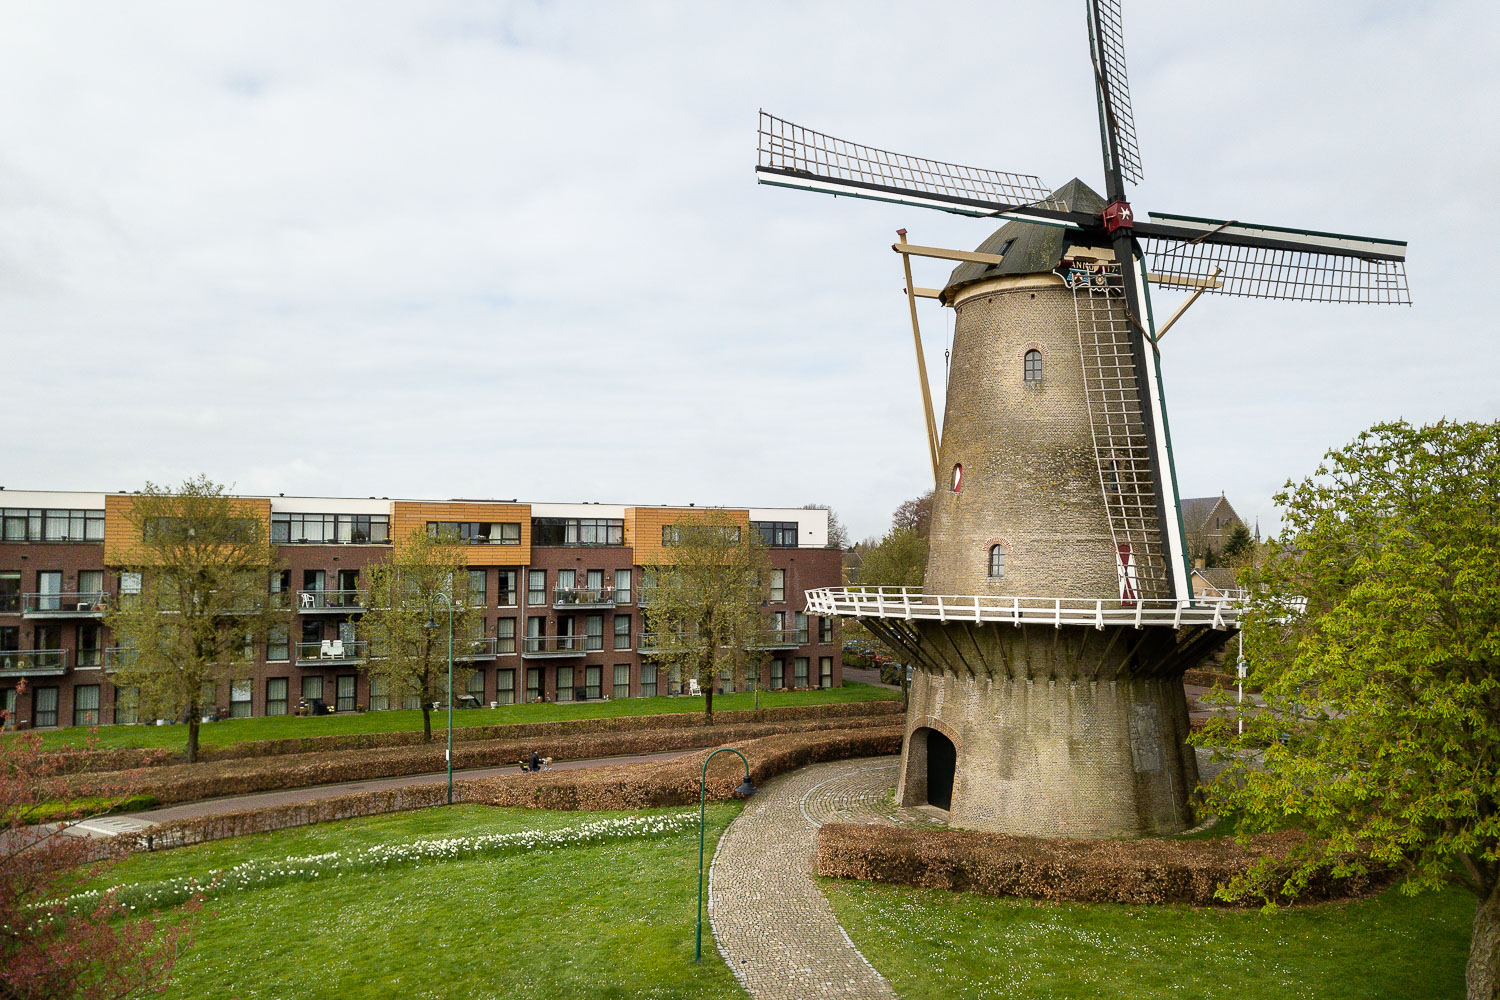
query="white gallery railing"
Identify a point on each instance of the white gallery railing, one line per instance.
(912, 604)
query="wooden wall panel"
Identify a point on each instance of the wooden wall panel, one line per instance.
(412, 515)
(122, 541)
(643, 526)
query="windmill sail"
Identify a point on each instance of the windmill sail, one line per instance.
(793, 156)
(1270, 262)
(1116, 119)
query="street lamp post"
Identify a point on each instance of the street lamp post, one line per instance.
(432, 623)
(746, 789)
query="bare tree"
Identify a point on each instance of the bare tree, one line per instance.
(838, 535)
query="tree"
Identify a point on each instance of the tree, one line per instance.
(47, 952)
(406, 592)
(195, 598)
(1239, 546)
(1381, 734)
(915, 514)
(838, 535)
(897, 560)
(706, 614)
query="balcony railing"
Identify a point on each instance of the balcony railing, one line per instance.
(583, 597)
(552, 645)
(781, 638)
(118, 656)
(75, 604)
(331, 651)
(475, 649)
(912, 603)
(33, 662)
(330, 600)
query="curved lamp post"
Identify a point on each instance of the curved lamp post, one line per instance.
(746, 789)
(432, 623)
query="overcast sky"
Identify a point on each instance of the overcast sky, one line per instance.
(517, 250)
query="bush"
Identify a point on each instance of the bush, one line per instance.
(1084, 871)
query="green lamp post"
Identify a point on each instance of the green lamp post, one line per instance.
(746, 789)
(432, 623)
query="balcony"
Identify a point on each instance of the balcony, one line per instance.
(541, 647)
(116, 657)
(780, 638)
(33, 662)
(67, 605)
(649, 642)
(331, 601)
(330, 652)
(583, 597)
(475, 649)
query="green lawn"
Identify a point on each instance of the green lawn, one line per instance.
(613, 919)
(937, 945)
(287, 726)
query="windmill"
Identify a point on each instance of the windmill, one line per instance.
(1056, 511)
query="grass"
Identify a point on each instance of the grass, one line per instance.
(599, 920)
(230, 731)
(937, 945)
(92, 805)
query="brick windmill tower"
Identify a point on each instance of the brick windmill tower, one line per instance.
(1056, 622)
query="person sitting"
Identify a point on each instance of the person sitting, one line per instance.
(536, 761)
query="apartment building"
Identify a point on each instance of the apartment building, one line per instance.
(563, 589)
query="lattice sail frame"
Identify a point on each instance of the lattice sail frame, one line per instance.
(789, 148)
(1267, 273)
(1107, 35)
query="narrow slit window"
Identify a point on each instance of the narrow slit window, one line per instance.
(958, 479)
(997, 562)
(1033, 363)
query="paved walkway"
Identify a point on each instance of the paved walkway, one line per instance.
(771, 921)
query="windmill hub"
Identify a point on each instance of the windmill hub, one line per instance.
(1049, 642)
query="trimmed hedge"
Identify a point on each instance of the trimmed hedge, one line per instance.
(1083, 871)
(190, 782)
(621, 786)
(120, 759)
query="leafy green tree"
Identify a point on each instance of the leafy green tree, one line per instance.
(897, 560)
(406, 593)
(195, 598)
(706, 613)
(1381, 735)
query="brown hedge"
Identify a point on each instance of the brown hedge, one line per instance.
(73, 761)
(190, 782)
(1084, 871)
(621, 786)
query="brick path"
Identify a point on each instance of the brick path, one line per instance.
(771, 921)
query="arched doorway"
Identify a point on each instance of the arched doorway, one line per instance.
(942, 758)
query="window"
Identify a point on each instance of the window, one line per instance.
(778, 585)
(86, 705)
(577, 531)
(312, 689)
(49, 583)
(10, 638)
(825, 671)
(536, 587)
(475, 688)
(477, 578)
(957, 482)
(278, 644)
(276, 695)
(671, 534)
(801, 621)
(1033, 366)
(507, 588)
(412, 702)
(239, 699)
(380, 699)
(567, 580)
(622, 586)
(777, 534)
(127, 705)
(825, 630)
(593, 632)
(30, 524)
(1005, 248)
(536, 628)
(10, 593)
(478, 532)
(330, 529)
(91, 585)
(997, 562)
(505, 635)
(593, 682)
(622, 680)
(622, 631)
(343, 686)
(89, 653)
(505, 687)
(44, 707)
(533, 683)
(564, 683)
(778, 674)
(648, 680)
(799, 674)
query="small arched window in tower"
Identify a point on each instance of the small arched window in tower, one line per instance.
(1033, 366)
(997, 562)
(958, 479)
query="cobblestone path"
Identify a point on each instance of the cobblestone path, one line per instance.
(771, 921)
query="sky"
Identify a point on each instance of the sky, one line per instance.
(517, 249)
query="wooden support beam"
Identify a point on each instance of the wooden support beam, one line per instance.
(923, 293)
(908, 249)
(1203, 286)
(1186, 280)
(916, 333)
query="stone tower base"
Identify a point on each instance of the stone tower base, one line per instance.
(1073, 732)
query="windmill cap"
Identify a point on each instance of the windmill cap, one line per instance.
(1034, 248)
